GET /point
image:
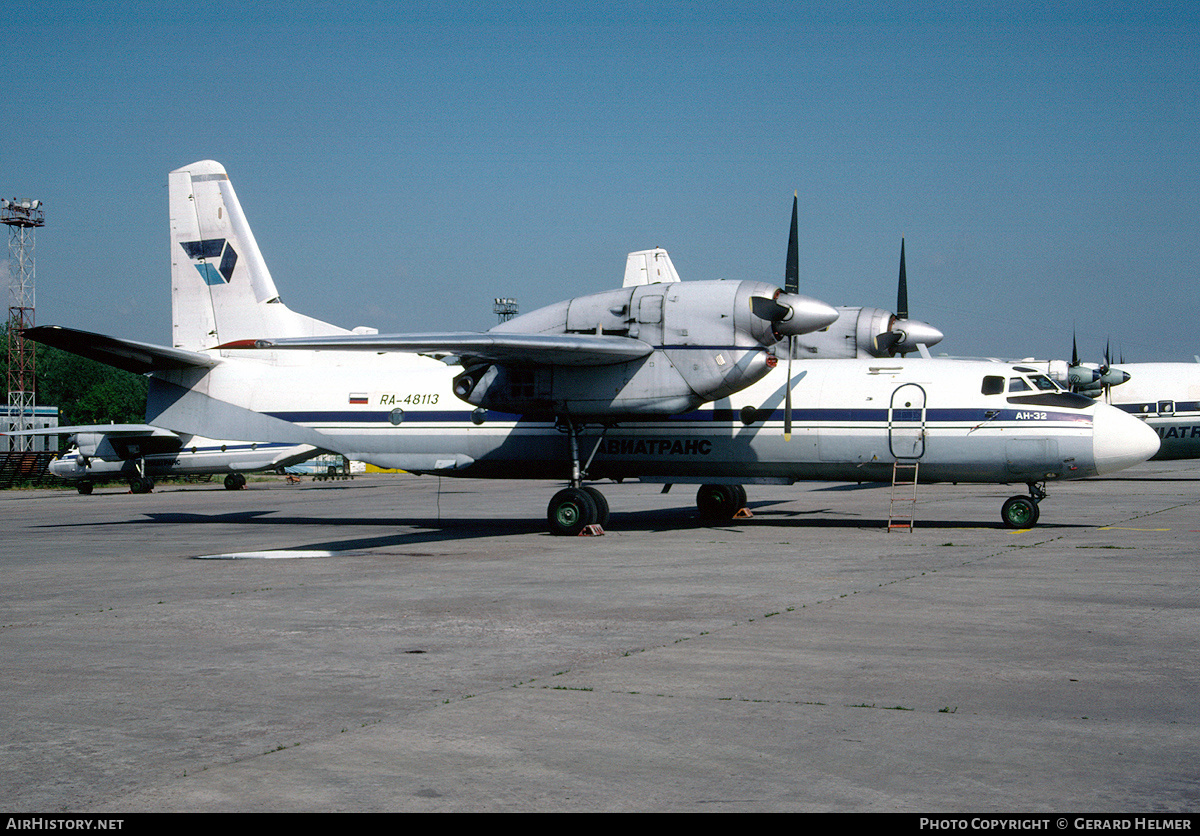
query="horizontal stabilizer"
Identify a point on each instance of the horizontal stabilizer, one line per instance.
(532, 349)
(136, 357)
(129, 430)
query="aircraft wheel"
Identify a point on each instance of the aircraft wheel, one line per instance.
(141, 485)
(601, 505)
(1020, 512)
(234, 481)
(742, 499)
(718, 502)
(84, 487)
(570, 511)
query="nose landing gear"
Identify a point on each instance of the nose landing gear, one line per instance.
(1022, 511)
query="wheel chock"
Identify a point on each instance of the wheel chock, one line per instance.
(592, 531)
(743, 513)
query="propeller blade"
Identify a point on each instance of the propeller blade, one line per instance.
(768, 309)
(902, 292)
(791, 285)
(791, 273)
(885, 341)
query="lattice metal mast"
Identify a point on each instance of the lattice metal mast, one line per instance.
(22, 217)
(506, 309)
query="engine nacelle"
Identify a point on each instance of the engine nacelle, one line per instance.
(710, 339)
(866, 332)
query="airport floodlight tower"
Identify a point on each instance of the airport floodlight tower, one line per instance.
(22, 217)
(506, 309)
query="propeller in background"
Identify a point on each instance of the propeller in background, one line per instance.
(1091, 381)
(905, 335)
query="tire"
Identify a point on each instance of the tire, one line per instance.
(84, 487)
(717, 502)
(570, 511)
(742, 499)
(234, 481)
(601, 505)
(1020, 512)
(144, 485)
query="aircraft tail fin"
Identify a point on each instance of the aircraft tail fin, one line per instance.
(649, 267)
(221, 289)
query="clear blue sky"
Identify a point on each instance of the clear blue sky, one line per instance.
(403, 163)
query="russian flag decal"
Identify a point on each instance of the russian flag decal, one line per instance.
(356, 398)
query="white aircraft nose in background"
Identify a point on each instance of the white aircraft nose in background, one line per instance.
(1119, 440)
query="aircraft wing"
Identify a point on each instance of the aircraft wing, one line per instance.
(132, 356)
(527, 349)
(123, 430)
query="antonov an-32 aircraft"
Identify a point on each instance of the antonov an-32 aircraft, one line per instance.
(670, 383)
(1166, 396)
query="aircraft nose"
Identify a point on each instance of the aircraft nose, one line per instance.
(1119, 440)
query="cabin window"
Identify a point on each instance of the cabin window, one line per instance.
(993, 385)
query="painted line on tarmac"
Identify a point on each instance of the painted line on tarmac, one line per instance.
(281, 554)
(1127, 528)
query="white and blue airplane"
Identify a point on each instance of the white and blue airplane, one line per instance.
(669, 382)
(1166, 396)
(140, 453)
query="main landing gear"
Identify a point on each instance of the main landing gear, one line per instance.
(574, 508)
(141, 483)
(234, 482)
(1022, 511)
(720, 502)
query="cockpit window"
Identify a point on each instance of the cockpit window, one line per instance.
(1044, 383)
(1018, 384)
(993, 385)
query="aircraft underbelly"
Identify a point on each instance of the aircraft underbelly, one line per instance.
(699, 449)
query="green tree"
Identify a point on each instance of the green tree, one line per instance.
(87, 392)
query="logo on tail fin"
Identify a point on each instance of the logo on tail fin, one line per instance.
(212, 248)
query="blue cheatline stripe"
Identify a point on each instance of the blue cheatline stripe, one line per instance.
(1152, 407)
(846, 416)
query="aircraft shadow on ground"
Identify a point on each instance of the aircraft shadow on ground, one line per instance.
(406, 531)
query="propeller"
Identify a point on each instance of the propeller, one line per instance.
(1110, 377)
(1080, 376)
(1086, 379)
(905, 335)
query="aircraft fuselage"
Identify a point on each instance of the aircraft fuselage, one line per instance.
(851, 420)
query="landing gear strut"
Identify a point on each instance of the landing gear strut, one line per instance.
(1022, 511)
(141, 483)
(573, 509)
